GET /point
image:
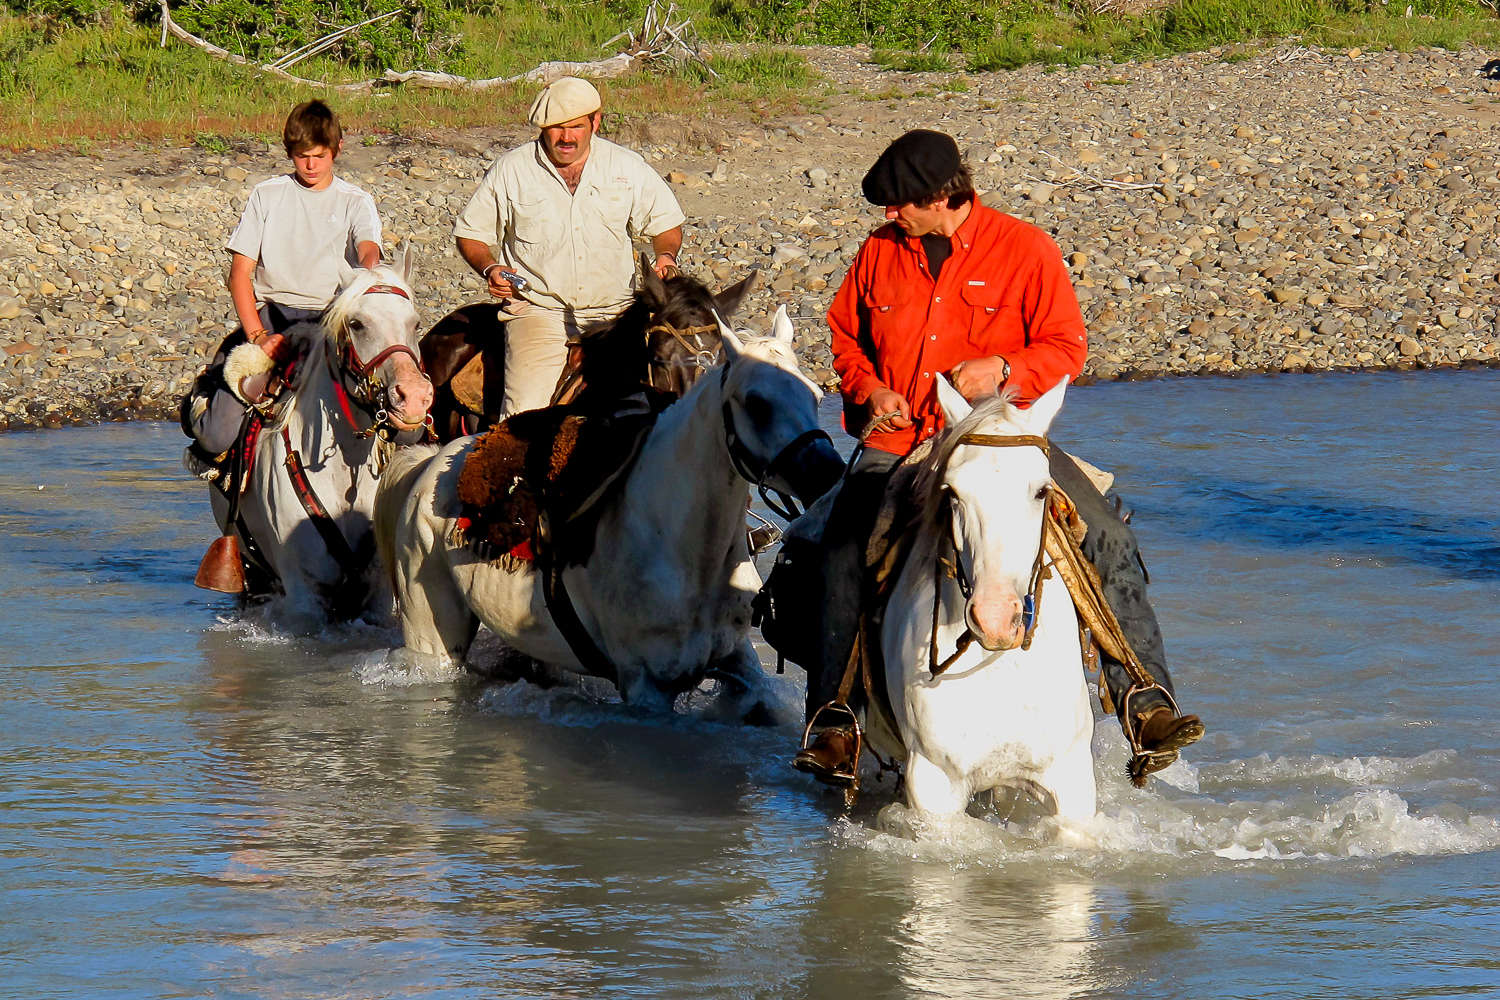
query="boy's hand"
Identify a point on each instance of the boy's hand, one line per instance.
(277, 347)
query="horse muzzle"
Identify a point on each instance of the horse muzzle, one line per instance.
(997, 623)
(409, 395)
(808, 469)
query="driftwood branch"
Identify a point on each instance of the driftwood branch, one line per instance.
(328, 41)
(659, 38)
(1080, 177)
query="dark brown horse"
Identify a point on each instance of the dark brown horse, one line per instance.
(664, 340)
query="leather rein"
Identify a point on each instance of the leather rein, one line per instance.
(366, 390)
(953, 568)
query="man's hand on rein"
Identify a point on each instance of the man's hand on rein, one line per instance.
(890, 401)
(980, 377)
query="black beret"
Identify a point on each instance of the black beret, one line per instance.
(912, 168)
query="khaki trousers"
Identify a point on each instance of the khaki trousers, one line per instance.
(536, 349)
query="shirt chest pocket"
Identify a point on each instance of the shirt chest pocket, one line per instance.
(992, 317)
(534, 223)
(886, 311)
(610, 208)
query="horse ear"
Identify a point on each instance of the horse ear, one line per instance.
(405, 263)
(730, 298)
(729, 343)
(1041, 414)
(781, 325)
(653, 283)
(347, 274)
(953, 404)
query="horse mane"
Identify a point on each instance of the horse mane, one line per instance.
(336, 316)
(926, 490)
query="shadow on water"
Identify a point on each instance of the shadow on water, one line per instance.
(1259, 514)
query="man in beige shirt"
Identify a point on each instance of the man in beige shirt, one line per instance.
(561, 212)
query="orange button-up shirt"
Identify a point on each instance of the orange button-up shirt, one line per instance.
(1004, 291)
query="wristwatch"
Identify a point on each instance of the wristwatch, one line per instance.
(1004, 372)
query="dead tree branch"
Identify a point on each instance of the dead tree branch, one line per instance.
(658, 39)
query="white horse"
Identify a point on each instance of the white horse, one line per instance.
(664, 598)
(1006, 712)
(357, 385)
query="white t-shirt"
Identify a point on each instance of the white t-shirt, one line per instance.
(299, 237)
(574, 248)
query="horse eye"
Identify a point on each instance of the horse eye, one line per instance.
(1041, 494)
(356, 325)
(758, 410)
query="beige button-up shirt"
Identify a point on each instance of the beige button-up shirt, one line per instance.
(573, 247)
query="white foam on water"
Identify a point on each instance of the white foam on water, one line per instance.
(1359, 771)
(401, 667)
(251, 627)
(584, 703)
(1321, 819)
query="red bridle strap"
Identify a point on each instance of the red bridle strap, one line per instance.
(387, 290)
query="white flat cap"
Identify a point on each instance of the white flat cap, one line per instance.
(564, 99)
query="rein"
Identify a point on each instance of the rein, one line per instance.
(953, 569)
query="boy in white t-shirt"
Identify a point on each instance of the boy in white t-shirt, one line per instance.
(297, 230)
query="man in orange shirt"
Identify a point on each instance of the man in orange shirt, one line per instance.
(950, 286)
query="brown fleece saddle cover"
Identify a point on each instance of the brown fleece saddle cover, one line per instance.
(554, 461)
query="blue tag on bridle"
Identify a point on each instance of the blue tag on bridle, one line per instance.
(1028, 612)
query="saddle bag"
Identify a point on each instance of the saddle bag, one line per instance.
(785, 610)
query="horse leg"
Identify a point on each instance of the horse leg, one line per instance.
(929, 789)
(1070, 779)
(435, 618)
(747, 690)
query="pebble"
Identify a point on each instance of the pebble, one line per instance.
(1348, 220)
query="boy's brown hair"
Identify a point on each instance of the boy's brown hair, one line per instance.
(312, 123)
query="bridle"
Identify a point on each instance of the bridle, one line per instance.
(368, 388)
(761, 474)
(700, 356)
(954, 569)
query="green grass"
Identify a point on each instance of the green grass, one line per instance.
(83, 87)
(109, 81)
(913, 62)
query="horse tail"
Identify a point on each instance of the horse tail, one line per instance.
(396, 484)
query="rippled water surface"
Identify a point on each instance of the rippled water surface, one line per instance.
(193, 803)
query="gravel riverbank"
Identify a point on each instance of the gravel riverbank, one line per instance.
(1298, 210)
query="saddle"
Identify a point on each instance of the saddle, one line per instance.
(549, 469)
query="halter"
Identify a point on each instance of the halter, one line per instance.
(368, 387)
(954, 568)
(744, 461)
(700, 357)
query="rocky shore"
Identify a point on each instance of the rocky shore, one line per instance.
(1298, 210)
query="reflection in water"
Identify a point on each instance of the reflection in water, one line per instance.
(972, 932)
(189, 808)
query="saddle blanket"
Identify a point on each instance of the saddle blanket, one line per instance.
(553, 460)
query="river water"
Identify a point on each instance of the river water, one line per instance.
(193, 803)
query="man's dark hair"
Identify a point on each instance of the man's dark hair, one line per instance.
(311, 123)
(958, 189)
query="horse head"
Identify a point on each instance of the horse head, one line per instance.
(371, 330)
(682, 335)
(986, 486)
(770, 414)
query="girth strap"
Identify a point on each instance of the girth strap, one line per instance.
(333, 539)
(560, 606)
